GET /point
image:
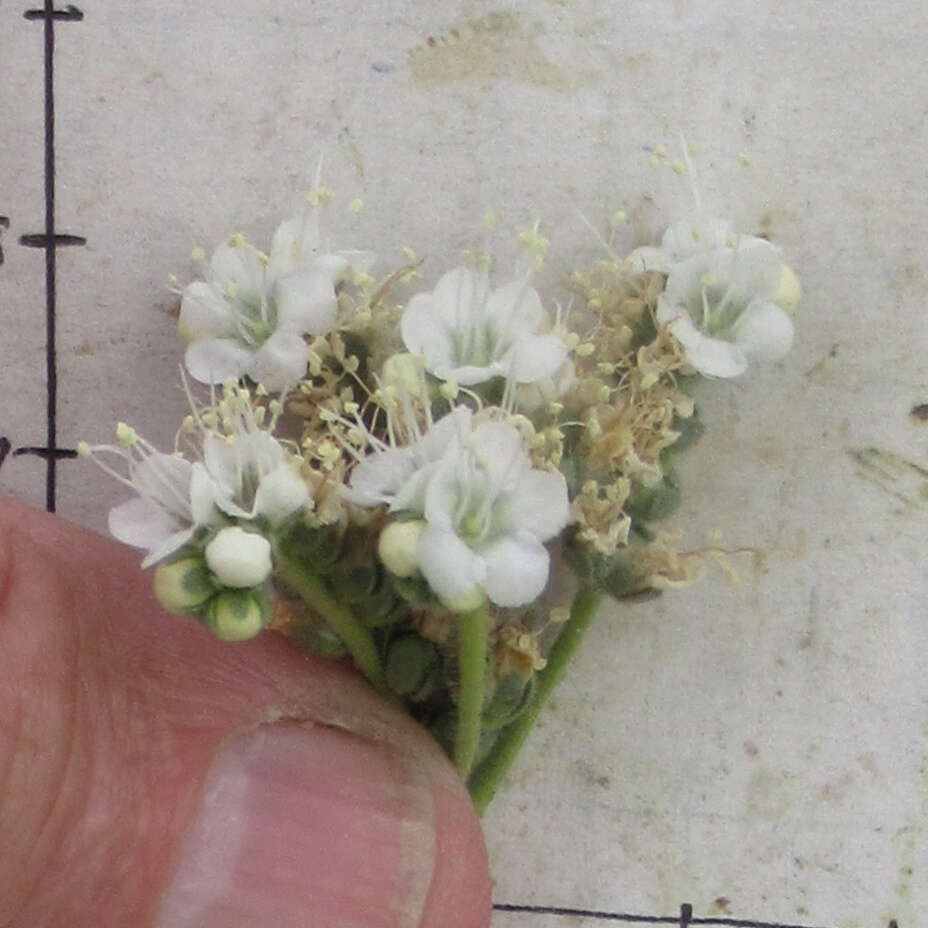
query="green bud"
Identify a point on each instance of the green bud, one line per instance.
(410, 662)
(183, 586)
(237, 615)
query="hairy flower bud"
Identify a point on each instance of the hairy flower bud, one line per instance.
(399, 547)
(236, 615)
(183, 586)
(239, 558)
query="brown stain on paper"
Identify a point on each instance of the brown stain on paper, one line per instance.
(495, 47)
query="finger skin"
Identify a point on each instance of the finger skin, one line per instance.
(111, 713)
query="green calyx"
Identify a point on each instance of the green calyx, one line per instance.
(183, 586)
(237, 615)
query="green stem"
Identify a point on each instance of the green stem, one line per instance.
(356, 638)
(473, 628)
(488, 776)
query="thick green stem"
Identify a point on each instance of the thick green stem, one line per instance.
(473, 628)
(356, 638)
(488, 776)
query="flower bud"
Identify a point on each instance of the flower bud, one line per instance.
(236, 615)
(183, 586)
(409, 665)
(788, 292)
(239, 558)
(398, 547)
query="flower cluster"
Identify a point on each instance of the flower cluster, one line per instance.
(390, 474)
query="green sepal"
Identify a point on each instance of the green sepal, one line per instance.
(414, 590)
(355, 583)
(409, 665)
(317, 640)
(657, 501)
(316, 548)
(690, 429)
(510, 698)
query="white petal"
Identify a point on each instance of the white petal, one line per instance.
(172, 543)
(459, 297)
(447, 430)
(425, 334)
(280, 494)
(442, 493)
(204, 311)
(710, 356)
(294, 245)
(452, 569)
(238, 266)
(538, 504)
(411, 496)
(305, 303)
(468, 375)
(517, 570)
(340, 262)
(534, 357)
(377, 478)
(500, 450)
(649, 258)
(514, 308)
(203, 492)
(764, 331)
(689, 237)
(215, 360)
(280, 362)
(141, 523)
(165, 479)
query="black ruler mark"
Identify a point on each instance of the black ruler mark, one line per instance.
(70, 12)
(41, 240)
(50, 241)
(39, 452)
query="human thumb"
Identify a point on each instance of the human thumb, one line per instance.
(151, 775)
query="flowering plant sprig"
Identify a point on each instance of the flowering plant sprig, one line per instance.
(388, 476)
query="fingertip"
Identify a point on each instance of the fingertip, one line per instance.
(460, 893)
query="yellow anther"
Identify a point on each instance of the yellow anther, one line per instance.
(126, 435)
(356, 205)
(198, 254)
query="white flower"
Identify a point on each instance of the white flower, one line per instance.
(487, 510)
(721, 306)
(250, 317)
(398, 477)
(244, 474)
(470, 334)
(686, 239)
(250, 474)
(297, 245)
(173, 498)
